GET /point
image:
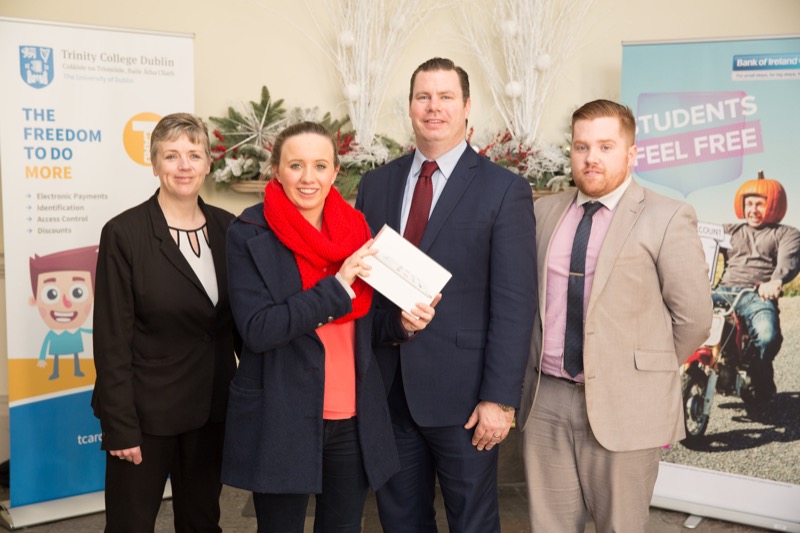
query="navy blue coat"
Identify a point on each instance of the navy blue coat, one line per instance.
(482, 230)
(274, 431)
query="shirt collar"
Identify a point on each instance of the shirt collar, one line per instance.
(609, 200)
(447, 162)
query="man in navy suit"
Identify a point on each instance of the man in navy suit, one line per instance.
(453, 388)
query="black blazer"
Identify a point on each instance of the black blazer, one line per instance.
(164, 353)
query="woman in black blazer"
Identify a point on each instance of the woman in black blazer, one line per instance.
(164, 342)
(308, 409)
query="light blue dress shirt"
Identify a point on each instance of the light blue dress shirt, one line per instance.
(447, 163)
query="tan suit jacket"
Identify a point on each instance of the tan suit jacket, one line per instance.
(649, 308)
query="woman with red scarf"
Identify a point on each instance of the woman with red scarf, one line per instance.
(307, 410)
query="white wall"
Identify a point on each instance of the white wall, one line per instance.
(241, 45)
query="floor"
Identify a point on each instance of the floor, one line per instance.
(238, 516)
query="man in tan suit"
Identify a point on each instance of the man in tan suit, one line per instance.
(602, 395)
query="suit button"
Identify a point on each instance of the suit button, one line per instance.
(330, 319)
(320, 325)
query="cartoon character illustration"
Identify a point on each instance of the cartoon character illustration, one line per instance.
(63, 292)
(765, 254)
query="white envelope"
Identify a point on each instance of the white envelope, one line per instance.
(403, 273)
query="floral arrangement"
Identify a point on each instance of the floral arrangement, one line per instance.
(242, 145)
(356, 160)
(243, 140)
(546, 167)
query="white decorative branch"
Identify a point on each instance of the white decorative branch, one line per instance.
(521, 46)
(370, 36)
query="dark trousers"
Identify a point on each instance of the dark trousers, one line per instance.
(192, 461)
(340, 506)
(467, 477)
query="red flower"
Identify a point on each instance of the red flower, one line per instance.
(345, 142)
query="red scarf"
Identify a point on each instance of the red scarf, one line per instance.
(320, 253)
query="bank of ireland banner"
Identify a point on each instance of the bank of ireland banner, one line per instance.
(78, 105)
(710, 116)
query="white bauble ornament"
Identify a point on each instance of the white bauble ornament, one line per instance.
(543, 62)
(513, 89)
(509, 28)
(347, 39)
(352, 92)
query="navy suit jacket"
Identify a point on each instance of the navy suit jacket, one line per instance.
(482, 230)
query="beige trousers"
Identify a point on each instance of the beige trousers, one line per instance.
(568, 471)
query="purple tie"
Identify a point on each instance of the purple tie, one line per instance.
(420, 204)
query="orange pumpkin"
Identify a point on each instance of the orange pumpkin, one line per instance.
(772, 190)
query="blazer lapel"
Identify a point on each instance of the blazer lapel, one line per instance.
(397, 186)
(167, 246)
(457, 184)
(216, 238)
(627, 212)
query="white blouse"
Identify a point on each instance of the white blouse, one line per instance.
(193, 244)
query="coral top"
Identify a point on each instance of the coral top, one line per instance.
(340, 370)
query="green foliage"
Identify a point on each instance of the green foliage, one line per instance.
(243, 139)
(239, 126)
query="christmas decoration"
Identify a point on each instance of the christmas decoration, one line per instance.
(520, 46)
(243, 139)
(371, 36)
(242, 144)
(546, 167)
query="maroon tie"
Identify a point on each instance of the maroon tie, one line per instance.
(420, 204)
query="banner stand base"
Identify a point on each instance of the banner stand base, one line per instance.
(772, 505)
(54, 510)
(727, 515)
(692, 521)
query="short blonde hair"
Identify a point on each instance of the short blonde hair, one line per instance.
(174, 126)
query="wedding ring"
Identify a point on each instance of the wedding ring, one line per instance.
(496, 436)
